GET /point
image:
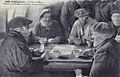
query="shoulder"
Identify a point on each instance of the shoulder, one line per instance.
(109, 46)
(76, 22)
(10, 43)
(92, 21)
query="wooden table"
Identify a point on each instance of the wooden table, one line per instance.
(65, 67)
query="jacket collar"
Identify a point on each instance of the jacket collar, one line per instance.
(103, 43)
(16, 35)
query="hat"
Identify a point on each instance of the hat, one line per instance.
(103, 28)
(44, 11)
(115, 11)
(19, 22)
(81, 12)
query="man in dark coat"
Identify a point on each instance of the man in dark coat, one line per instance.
(116, 5)
(15, 56)
(67, 13)
(103, 10)
(106, 58)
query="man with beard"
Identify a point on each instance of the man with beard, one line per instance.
(48, 28)
(67, 13)
(15, 56)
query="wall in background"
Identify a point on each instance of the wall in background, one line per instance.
(2, 24)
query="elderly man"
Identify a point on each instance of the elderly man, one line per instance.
(67, 13)
(48, 28)
(106, 58)
(81, 31)
(15, 56)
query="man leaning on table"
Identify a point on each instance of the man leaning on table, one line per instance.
(15, 56)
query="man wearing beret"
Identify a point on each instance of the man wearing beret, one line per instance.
(81, 30)
(15, 56)
(106, 58)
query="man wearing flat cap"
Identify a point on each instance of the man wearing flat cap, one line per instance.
(107, 52)
(15, 56)
(67, 13)
(81, 30)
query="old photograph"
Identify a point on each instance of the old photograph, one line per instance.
(60, 38)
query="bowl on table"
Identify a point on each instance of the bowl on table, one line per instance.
(88, 53)
(77, 52)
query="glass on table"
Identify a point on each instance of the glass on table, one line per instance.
(42, 42)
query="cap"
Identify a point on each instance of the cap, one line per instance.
(81, 12)
(19, 22)
(44, 11)
(115, 11)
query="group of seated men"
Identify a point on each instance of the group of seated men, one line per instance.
(16, 58)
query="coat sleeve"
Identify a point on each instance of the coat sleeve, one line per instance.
(73, 33)
(74, 36)
(22, 60)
